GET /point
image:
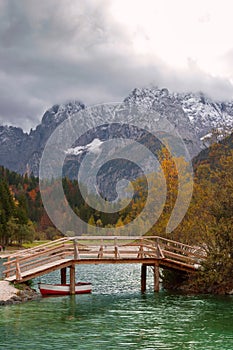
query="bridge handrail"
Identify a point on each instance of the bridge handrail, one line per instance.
(38, 258)
(39, 247)
(36, 255)
(149, 246)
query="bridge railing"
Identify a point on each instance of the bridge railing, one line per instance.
(96, 247)
(16, 265)
(178, 251)
(38, 248)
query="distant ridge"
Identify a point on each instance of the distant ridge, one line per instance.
(194, 116)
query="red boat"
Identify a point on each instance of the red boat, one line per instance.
(64, 289)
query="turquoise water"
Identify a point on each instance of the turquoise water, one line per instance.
(116, 316)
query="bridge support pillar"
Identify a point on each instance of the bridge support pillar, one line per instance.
(156, 278)
(63, 275)
(72, 279)
(143, 278)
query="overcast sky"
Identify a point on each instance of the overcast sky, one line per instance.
(53, 51)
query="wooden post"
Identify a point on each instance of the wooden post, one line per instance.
(116, 252)
(72, 279)
(143, 278)
(18, 272)
(63, 275)
(8, 267)
(156, 278)
(140, 252)
(101, 252)
(76, 251)
(157, 246)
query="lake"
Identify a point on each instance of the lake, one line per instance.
(117, 316)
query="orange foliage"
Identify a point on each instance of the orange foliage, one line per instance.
(32, 194)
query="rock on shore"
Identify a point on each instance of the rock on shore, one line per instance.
(11, 295)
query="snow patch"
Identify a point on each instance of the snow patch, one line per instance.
(93, 147)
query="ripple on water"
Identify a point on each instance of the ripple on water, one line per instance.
(116, 316)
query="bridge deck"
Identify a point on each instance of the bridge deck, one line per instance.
(30, 263)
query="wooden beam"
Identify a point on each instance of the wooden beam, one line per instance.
(34, 261)
(72, 279)
(63, 275)
(140, 252)
(101, 252)
(143, 278)
(158, 252)
(9, 262)
(76, 251)
(92, 261)
(18, 272)
(28, 275)
(116, 249)
(173, 265)
(156, 278)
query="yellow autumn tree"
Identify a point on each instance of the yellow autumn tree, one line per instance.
(162, 196)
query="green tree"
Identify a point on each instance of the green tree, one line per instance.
(7, 207)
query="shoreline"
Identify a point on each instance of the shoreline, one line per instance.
(9, 295)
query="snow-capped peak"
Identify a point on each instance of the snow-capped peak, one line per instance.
(203, 113)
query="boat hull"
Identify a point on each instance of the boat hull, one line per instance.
(64, 289)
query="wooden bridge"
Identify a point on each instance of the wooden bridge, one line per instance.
(67, 252)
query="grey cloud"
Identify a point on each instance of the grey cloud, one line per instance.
(195, 80)
(16, 106)
(50, 53)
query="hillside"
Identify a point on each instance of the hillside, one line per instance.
(212, 154)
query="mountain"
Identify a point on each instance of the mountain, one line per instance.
(212, 155)
(194, 116)
(20, 151)
(195, 113)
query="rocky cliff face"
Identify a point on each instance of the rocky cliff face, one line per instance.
(194, 116)
(12, 141)
(20, 151)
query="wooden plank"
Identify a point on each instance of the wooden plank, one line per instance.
(174, 265)
(97, 261)
(40, 271)
(33, 264)
(44, 252)
(173, 242)
(39, 247)
(161, 255)
(177, 256)
(48, 259)
(183, 251)
(150, 252)
(41, 262)
(151, 255)
(107, 238)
